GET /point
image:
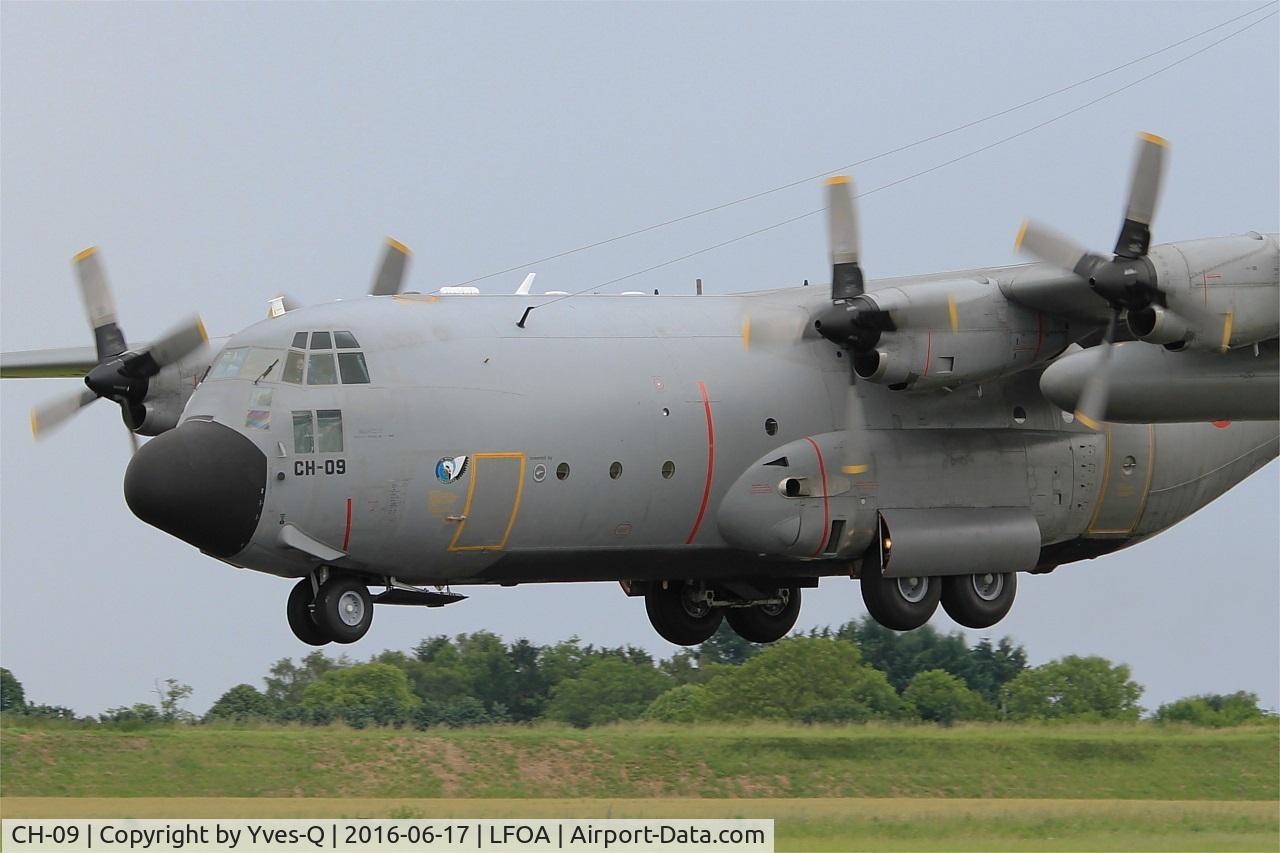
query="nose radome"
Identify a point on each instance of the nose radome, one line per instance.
(203, 483)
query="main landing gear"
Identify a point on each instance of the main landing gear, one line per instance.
(688, 613)
(339, 610)
(904, 604)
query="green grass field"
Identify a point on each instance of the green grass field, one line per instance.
(981, 787)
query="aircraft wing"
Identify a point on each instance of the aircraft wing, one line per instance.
(41, 363)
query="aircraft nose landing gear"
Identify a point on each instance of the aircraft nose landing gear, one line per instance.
(340, 611)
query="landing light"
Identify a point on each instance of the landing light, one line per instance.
(888, 543)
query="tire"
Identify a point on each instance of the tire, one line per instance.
(979, 601)
(766, 623)
(902, 604)
(301, 621)
(344, 610)
(677, 617)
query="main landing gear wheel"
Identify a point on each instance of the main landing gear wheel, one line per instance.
(766, 623)
(343, 609)
(979, 601)
(679, 615)
(301, 620)
(902, 604)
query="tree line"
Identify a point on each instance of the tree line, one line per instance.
(856, 673)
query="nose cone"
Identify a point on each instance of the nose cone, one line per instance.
(203, 483)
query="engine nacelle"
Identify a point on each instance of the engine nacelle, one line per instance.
(169, 390)
(1157, 325)
(953, 332)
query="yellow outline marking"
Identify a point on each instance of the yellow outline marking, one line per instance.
(951, 310)
(1157, 140)
(398, 246)
(746, 335)
(1146, 488)
(414, 298)
(84, 253)
(1022, 232)
(836, 179)
(1151, 469)
(855, 469)
(1226, 330)
(1106, 479)
(471, 491)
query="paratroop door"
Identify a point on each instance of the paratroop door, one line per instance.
(493, 501)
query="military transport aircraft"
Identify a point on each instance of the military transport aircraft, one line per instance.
(931, 436)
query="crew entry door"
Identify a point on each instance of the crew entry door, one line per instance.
(493, 501)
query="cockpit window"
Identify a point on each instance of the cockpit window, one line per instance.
(353, 369)
(345, 340)
(299, 340)
(303, 435)
(245, 363)
(321, 340)
(293, 365)
(329, 430)
(320, 369)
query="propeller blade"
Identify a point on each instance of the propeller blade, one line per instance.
(133, 440)
(177, 344)
(1045, 244)
(1144, 192)
(47, 417)
(842, 230)
(390, 275)
(99, 304)
(1092, 406)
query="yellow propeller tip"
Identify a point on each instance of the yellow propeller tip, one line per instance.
(1022, 232)
(204, 333)
(1087, 421)
(83, 253)
(1154, 140)
(35, 425)
(746, 335)
(837, 179)
(398, 246)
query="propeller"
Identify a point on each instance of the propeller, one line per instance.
(121, 375)
(1127, 280)
(852, 321)
(390, 275)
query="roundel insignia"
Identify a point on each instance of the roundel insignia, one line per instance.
(451, 468)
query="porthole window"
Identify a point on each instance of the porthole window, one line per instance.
(615, 470)
(1067, 417)
(770, 426)
(562, 471)
(668, 469)
(1019, 415)
(666, 412)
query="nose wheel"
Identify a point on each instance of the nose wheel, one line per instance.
(341, 611)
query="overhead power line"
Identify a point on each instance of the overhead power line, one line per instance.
(906, 147)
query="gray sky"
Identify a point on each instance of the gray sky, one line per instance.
(220, 153)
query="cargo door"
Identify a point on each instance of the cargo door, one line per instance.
(493, 501)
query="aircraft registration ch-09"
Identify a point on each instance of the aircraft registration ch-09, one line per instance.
(931, 436)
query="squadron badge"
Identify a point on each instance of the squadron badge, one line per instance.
(450, 470)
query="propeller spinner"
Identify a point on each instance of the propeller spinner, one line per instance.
(121, 375)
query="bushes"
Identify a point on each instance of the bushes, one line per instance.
(1214, 710)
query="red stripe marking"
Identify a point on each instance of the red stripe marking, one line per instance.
(928, 357)
(711, 462)
(346, 537)
(826, 510)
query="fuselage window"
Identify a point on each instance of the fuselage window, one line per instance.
(293, 364)
(329, 430)
(320, 340)
(320, 369)
(299, 340)
(353, 369)
(345, 340)
(303, 434)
